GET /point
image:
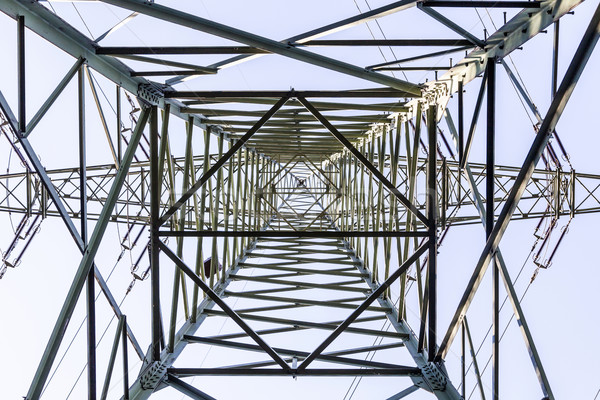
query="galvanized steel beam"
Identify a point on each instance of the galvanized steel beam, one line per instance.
(214, 28)
(84, 267)
(555, 111)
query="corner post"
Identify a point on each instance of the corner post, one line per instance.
(489, 219)
(21, 73)
(154, 226)
(432, 219)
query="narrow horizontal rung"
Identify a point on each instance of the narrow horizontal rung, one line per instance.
(483, 4)
(291, 234)
(389, 42)
(438, 68)
(288, 352)
(317, 325)
(185, 72)
(399, 371)
(280, 94)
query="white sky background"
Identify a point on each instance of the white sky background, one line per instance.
(560, 305)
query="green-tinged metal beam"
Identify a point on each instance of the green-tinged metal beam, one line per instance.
(324, 30)
(291, 234)
(402, 394)
(481, 4)
(217, 299)
(346, 143)
(204, 25)
(187, 389)
(116, 27)
(470, 137)
(261, 364)
(86, 263)
(289, 352)
(363, 93)
(329, 326)
(452, 25)
(359, 310)
(432, 217)
(510, 289)
(323, 105)
(398, 371)
(112, 359)
(57, 31)
(220, 162)
(517, 31)
(155, 195)
(576, 67)
(63, 213)
(166, 63)
(388, 42)
(53, 96)
(420, 57)
(101, 115)
(474, 358)
(341, 286)
(297, 327)
(316, 303)
(127, 51)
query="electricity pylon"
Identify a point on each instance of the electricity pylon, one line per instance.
(347, 200)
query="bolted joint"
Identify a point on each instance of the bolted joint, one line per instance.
(434, 378)
(153, 375)
(150, 93)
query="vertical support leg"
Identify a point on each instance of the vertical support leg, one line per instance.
(86, 263)
(432, 229)
(90, 295)
(257, 193)
(178, 279)
(119, 138)
(361, 203)
(474, 358)
(355, 208)
(125, 361)
(463, 363)
(154, 225)
(245, 193)
(489, 225)
(257, 182)
(113, 357)
(236, 209)
(21, 72)
(370, 220)
(555, 58)
(461, 124)
(214, 265)
(226, 257)
(512, 295)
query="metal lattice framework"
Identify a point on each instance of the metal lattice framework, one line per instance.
(321, 211)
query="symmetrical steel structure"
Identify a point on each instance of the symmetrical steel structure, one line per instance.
(343, 195)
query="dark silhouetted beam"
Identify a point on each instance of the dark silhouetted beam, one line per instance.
(279, 234)
(389, 42)
(401, 371)
(122, 50)
(483, 4)
(279, 94)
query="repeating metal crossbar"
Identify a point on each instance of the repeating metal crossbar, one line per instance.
(565, 192)
(329, 273)
(306, 217)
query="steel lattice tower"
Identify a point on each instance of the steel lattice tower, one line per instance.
(296, 232)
